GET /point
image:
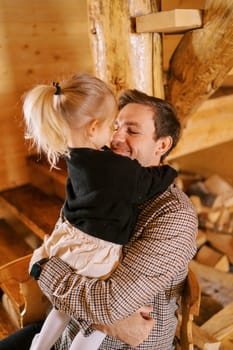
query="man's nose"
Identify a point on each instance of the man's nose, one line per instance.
(118, 135)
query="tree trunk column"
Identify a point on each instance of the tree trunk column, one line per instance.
(122, 57)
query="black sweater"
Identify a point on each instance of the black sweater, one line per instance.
(104, 190)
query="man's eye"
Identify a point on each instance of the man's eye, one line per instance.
(133, 132)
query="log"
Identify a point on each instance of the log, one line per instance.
(203, 340)
(121, 57)
(210, 125)
(201, 238)
(202, 60)
(210, 257)
(217, 185)
(221, 324)
(208, 308)
(224, 279)
(222, 242)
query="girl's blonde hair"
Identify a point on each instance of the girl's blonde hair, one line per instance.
(51, 110)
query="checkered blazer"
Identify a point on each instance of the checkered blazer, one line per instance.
(152, 272)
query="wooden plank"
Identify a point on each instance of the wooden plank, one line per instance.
(182, 4)
(227, 342)
(36, 72)
(169, 21)
(221, 324)
(38, 211)
(33, 45)
(57, 28)
(202, 60)
(203, 340)
(212, 124)
(71, 11)
(170, 43)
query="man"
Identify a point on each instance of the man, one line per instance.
(155, 261)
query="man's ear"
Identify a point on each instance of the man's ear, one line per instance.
(163, 145)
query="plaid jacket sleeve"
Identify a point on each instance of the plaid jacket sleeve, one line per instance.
(161, 247)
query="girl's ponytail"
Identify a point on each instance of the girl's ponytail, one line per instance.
(45, 127)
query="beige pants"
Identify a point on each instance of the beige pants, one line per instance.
(87, 255)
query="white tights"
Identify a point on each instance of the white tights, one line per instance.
(53, 327)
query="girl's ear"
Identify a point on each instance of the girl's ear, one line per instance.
(163, 145)
(92, 127)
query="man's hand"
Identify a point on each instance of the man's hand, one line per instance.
(132, 330)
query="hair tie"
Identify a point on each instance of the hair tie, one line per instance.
(58, 88)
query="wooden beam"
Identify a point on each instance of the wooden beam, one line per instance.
(182, 4)
(121, 57)
(202, 60)
(172, 21)
(170, 43)
(211, 125)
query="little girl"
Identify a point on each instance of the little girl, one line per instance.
(74, 120)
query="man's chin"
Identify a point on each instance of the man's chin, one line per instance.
(122, 153)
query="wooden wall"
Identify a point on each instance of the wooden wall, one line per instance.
(40, 41)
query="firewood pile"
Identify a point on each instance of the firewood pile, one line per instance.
(213, 263)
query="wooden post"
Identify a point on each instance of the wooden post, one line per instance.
(202, 59)
(122, 57)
